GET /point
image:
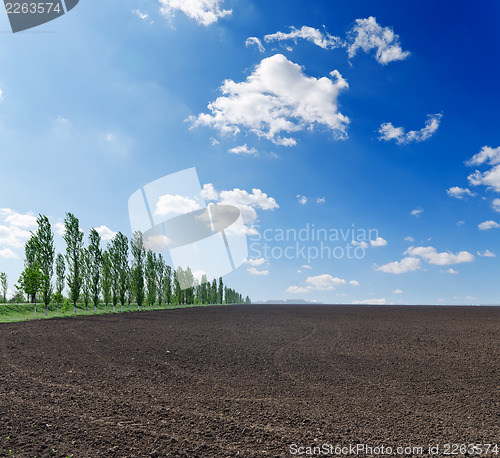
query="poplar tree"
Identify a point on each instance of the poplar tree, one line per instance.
(74, 247)
(45, 254)
(106, 278)
(138, 254)
(4, 284)
(60, 271)
(94, 265)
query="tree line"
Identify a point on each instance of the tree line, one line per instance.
(124, 272)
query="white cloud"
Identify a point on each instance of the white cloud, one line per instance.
(323, 40)
(155, 243)
(255, 271)
(297, 290)
(324, 282)
(449, 271)
(255, 41)
(204, 12)
(459, 193)
(378, 242)
(354, 283)
(247, 202)
(209, 193)
(105, 232)
(417, 212)
(302, 199)
(169, 204)
(430, 255)
(382, 301)
(460, 223)
(1, 95)
(256, 262)
(26, 220)
(60, 228)
(7, 253)
(397, 291)
(408, 264)
(144, 16)
(361, 244)
(320, 200)
(409, 239)
(276, 99)
(486, 155)
(243, 149)
(13, 236)
(305, 266)
(487, 254)
(491, 177)
(368, 35)
(487, 225)
(388, 132)
(471, 298)
(496, 205)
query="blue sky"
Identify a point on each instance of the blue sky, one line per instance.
(372, 111)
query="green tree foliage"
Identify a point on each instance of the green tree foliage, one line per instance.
(168, 284)
(220, 292)
(138, 254)
(151, 280)
(4, 285)
(87, 278)
(94, 265)
(74, 246)
(106, 272)
(122, 269)
(45, 254)
(114, 255)
(30, 281)
(60, 271)
(160, 278)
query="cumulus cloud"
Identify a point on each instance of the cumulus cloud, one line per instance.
(449, 271)
(487, 225)
(324, 282)
(255, 271)
(323, 40)
(7, 253)
(302, 199)
(173, 205)
(354, 283)
(431, 255)
(255, 41)
(297, 290)
(276, 100)
(459, 192)
(320, 200)
(388, 132)
(486, 254)
(408, 264)
(13, 236)
(105, 232)
(205, 12)
(60, 228)
(417, 212)
(256, 262)
(487, 155)
(248, 203)
(409, 238)
(243, 149)
(368, 35)
(26, 220)
(305, 266)
(382, 301)
(496, 205)
(491, 177)
(378, 242)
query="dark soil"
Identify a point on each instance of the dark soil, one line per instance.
(249, 381)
